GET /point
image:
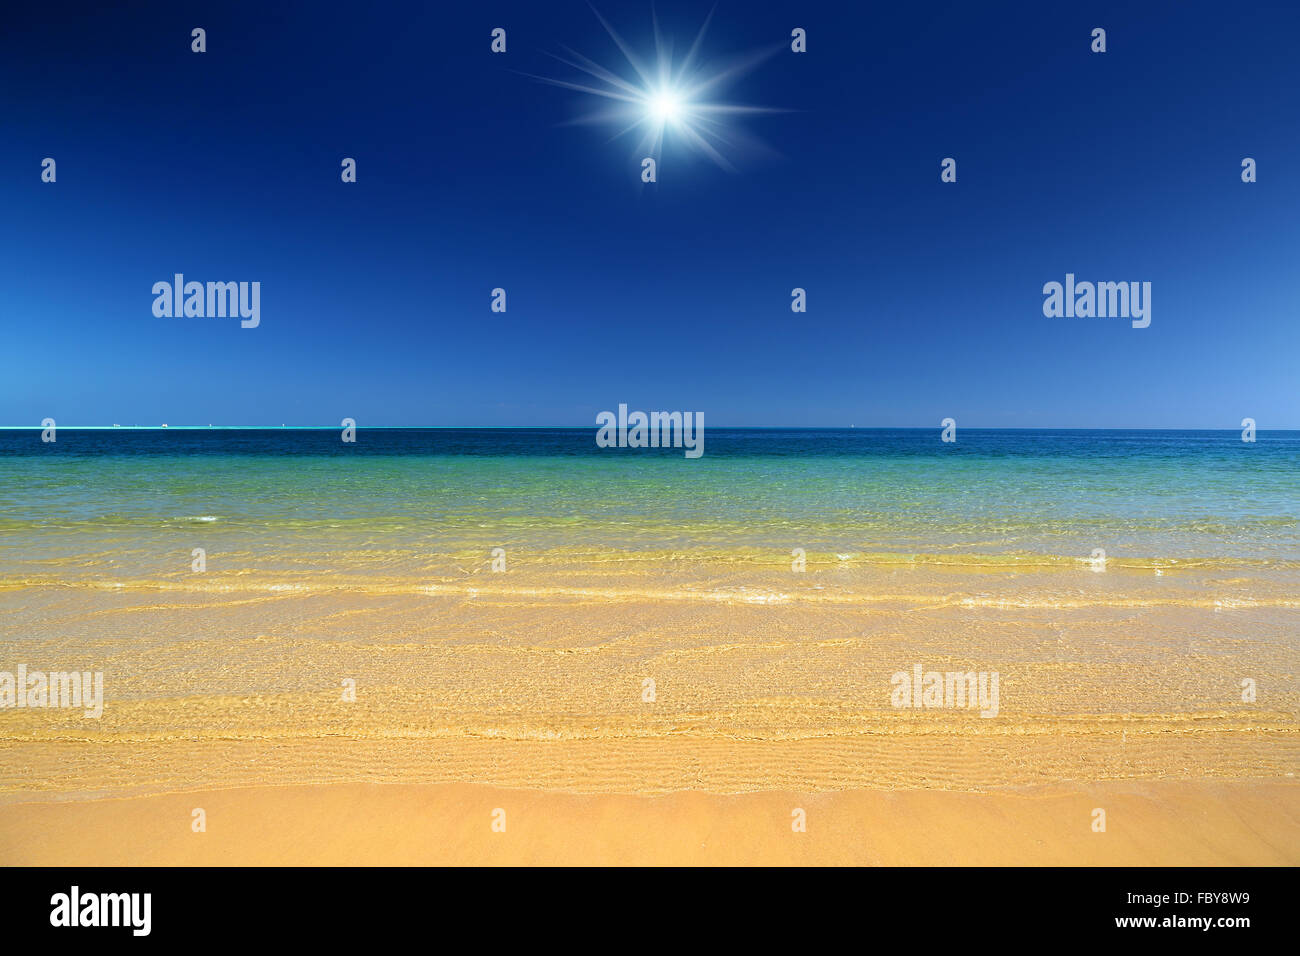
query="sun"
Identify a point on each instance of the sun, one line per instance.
(662, 97)
(665, 106)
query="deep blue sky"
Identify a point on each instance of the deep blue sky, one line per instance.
(924, 298)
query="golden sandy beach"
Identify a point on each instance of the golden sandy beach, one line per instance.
(530, 692)
(1167, 823)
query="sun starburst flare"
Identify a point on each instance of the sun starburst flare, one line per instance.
(668, 101)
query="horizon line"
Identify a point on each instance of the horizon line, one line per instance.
(286, 427)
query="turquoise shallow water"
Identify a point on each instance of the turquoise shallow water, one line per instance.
(1200, 496)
